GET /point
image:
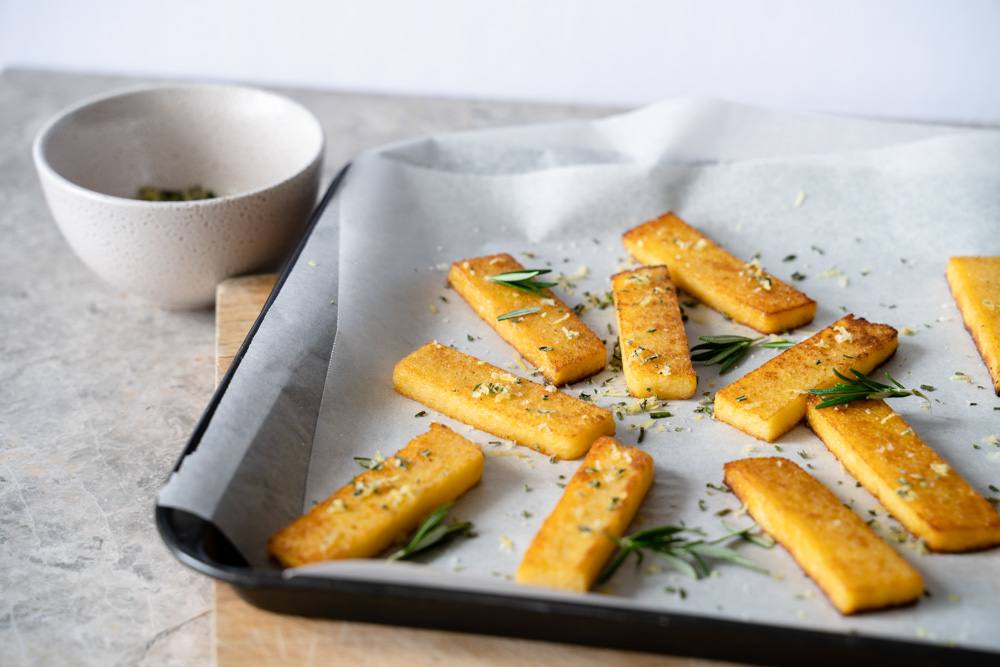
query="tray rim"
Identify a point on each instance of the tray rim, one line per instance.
(189, 539)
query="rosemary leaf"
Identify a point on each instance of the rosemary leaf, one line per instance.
(756, 536)
(520, 312)
(762, 540)
(431, 532)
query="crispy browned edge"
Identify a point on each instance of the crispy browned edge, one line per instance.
(725, 471)
(646, 266)
(985, 547)
(975, 338)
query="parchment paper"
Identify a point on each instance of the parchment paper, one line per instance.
(870, 211)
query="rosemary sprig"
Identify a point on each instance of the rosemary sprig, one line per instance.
(862, 387)
(523, 280)
(727, 351)
(433, 531)
(691, 556)
(520, 312)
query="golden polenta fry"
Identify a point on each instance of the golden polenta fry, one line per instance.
(601, 499)
(911, 481)
(654, 345)
(495, 401)
(975, 284)
(553, 339)
(770, 400)
(367, 515)
(855, 568)
(741, 290)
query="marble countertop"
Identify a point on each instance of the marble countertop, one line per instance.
(99, 391)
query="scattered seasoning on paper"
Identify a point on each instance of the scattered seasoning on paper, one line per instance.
(729, 350)
(835, 273)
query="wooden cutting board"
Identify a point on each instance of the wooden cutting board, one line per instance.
(245, 635)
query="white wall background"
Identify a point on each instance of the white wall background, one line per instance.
(923, 59)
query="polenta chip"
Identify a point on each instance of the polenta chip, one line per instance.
(498, 402)
(975, 284)
(770, 400)
(552, 338)
(654, 345)
(600, 500)
(911, 481)
(367, 515)
(741, 290)
(854, 567)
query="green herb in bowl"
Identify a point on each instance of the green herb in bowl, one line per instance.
(195, 192)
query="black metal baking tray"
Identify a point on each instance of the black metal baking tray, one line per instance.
(201, 546)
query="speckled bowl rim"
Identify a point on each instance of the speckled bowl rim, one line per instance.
(43, 135)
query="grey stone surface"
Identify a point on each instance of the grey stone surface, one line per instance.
(99, 391)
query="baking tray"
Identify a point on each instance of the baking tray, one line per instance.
(200, 545)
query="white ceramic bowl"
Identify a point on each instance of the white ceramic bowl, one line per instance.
(259, 152)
